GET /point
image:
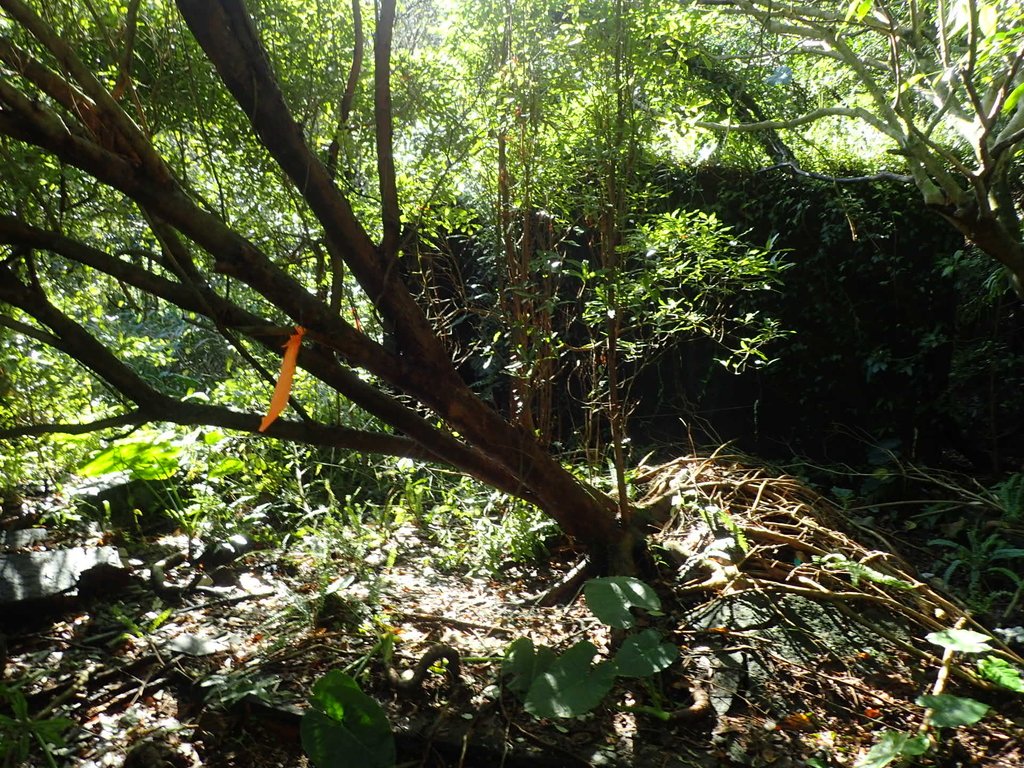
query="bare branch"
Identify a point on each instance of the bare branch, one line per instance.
(29, 330)
(1003, 86)
(390, 212)
(131, 419)
(880, 176)
(75, 341)
(1008, 143)
(810, 117)
(794, 11)
(345, 106)
(201, 415)
(124, 75)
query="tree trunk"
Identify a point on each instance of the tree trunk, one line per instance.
(82, 126)
(989, 234)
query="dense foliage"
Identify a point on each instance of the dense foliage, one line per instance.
(480, 214)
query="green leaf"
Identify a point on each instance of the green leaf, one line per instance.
(147, 455)
(571, 686)
(858, 9)
(1001, 672)
(892, 745)
(611, 597)
(345, 727)
(51, 731)
(1012, 99)
(834, 561)
(226, 466)
(644, 654)
(960, 640)
(523, 663)
(952, 711)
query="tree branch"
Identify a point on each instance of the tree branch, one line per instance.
(793, 168)
(348, 97)
(199, 298)
(28, 330)
(36, 124)
(72, 339)
(391, 217)
(810, 117)
(200, 415)
(795, 11)
(124, 75)
(131, 419)
(223, 29)
(124, 133)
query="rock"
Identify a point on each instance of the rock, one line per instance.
(26, 576)
(221, 553)
(780, 632)
(25, 537)
(156, 752)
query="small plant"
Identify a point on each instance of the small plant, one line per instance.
(150, 623)
(345, 727)
(859, 571)
(943, 710)
(978, 558)
(223, 690)
(570, 684)
(21, 733)
(1009, 497)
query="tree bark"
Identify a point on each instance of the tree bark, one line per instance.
(989, 234)
(93, 134)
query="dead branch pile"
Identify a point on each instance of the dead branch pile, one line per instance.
(750, 530)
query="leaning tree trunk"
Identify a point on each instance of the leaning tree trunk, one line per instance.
(990, 235)
(82, 125)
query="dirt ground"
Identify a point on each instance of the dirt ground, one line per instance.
(220, 677)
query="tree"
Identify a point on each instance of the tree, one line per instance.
(941, 81)
(263, 193)
(76, 115)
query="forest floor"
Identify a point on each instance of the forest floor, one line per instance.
(221, 678)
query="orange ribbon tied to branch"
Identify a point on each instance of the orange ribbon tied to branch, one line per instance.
(284, 379)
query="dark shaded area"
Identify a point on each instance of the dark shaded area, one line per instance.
(873, 321)
(901, 335)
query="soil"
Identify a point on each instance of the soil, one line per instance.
(221, 677)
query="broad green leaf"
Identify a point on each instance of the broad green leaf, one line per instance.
(523, 663)
(952, 711)
(611, 597)
(144, 456)
(858, 9)
(213, 436)
(1001, 672)
(644, 654)
(892, 745)
(960, 640)
(1013, 98)
(571, 686)
(345, 727)
(226, 466)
